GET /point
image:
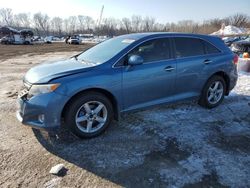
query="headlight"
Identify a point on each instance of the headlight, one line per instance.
(41, 89)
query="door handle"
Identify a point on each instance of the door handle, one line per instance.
(207, 61)
(169, 68)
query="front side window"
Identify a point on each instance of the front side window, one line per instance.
(187, 47)
(153, 50)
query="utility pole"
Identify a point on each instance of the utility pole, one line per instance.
(100, 19)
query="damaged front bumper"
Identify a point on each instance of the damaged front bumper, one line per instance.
(41, 111)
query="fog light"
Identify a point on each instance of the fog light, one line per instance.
(41, 118)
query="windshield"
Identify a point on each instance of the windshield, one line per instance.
(105, 50)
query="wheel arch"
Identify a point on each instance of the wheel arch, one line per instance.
(106, 93)
(225, 77)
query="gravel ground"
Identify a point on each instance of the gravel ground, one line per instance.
(181, 145)
(10, 51)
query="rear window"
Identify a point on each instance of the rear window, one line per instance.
(186, 47)
(210, 49)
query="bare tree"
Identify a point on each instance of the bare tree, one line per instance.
(56, 25)
(136, 23)
(159, 27)
(66, 28)
(216, 23)
(41, 22)
(6, 16)
(81, 20)
(187, 26)
(108, 27)
(239, 20)
(89, 23)
(22, 20)
(86, 23)
(127, 24)
(111, 26)
(72, 20)
(148, 24)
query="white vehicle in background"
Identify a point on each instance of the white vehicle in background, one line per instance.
(37, 39)
(74, 40)
(50, 39)
(86, 37)
(13, 36)
(26, 36)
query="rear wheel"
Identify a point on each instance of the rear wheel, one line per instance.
(89, 115)
(213, 92)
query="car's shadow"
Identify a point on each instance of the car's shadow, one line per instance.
(120, 155)
(132, 153)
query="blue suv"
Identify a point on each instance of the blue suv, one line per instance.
(130, 72)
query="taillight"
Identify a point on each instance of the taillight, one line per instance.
(236, 58)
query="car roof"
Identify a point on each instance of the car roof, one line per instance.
(137, 36)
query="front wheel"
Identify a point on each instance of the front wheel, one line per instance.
(213, 92)
(89, 115)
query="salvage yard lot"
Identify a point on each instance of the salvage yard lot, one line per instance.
(173, 145)
(9, 51)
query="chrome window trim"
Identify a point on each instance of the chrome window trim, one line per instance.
(158, 37)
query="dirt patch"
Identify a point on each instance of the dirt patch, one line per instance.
(9, 51)
(233, 138)
(236, 143)
(146, 174)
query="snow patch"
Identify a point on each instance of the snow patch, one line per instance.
(230, 30)
(56, 169)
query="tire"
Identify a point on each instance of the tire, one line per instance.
(83, 117)
(210, 96)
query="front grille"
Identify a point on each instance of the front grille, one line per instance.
(24, 90)
(23, 93)
(26, 85)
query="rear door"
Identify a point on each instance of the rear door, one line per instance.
(191, 66)
(153, 81)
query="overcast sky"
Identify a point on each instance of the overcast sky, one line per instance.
(162, 10)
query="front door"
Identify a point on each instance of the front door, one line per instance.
(153, 81)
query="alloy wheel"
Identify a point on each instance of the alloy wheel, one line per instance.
(91, 116)
(215, 92)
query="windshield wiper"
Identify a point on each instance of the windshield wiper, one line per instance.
(76, 56)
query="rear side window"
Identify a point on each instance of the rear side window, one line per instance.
(187, 47)
(210, 49)
(153, 50)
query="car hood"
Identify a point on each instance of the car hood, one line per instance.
(47, 71)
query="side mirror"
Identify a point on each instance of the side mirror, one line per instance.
(135, 60)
